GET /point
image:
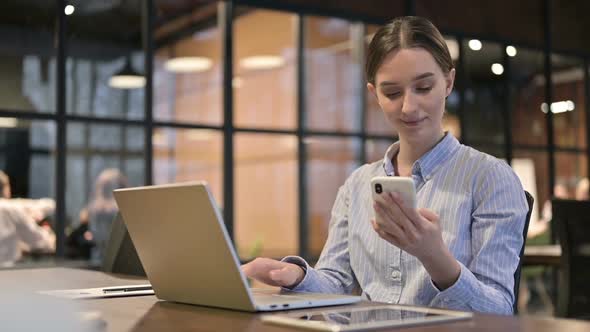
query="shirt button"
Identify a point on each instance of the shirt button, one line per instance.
(396, 274)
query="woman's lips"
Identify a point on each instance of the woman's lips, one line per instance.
(412, 123)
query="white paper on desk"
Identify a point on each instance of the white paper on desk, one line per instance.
(100, 292)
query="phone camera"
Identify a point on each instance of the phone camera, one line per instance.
(378, 188)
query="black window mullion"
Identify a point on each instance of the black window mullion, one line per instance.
(507, 109)
(301, 147)
(60, 154)
(226, 15)
(148, 18)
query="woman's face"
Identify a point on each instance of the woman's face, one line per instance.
(411, 90)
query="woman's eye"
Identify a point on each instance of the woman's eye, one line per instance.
(424, 89)
(392, 95)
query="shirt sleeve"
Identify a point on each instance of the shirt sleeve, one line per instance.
(486, 284)
(332, 273)
(35, 236)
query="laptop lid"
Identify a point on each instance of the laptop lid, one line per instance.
(183, 245)
(120, 255)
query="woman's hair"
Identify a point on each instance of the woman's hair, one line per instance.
(107, 181)
(407, 32)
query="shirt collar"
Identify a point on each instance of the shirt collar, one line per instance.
(430, 162)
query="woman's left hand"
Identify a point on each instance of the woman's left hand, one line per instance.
(418, 232)
(414, 231)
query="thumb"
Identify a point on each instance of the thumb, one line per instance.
(431, 216)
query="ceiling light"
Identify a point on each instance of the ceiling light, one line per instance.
(497, 69)
(200, 135)
(189, 64)
(69, 10)
(262, 62)
(475, 44)
(559, 107)
(511, 50)
(127, 78)
(8, 122)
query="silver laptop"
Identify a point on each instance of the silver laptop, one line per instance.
(187, 255)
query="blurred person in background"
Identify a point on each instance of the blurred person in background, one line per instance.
(80, 241)
(23, 225)
(102, 210)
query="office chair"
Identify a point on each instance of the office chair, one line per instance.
(572, 221)
(120, 255)
(530, 200)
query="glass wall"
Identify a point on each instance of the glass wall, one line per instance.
(266, 202)
(106, 127)
(27, 56)
(484, 97)
(187, 67)
(333, 75)
(100, 158)
(264, 69)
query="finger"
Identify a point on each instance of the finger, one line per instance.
(429, 215)
(386, 221)
(387, 236)
(395, 210)
(260, 267)
(409, 212)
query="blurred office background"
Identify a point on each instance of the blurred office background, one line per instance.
(266, 101)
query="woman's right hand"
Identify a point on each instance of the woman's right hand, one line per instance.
(273, 272)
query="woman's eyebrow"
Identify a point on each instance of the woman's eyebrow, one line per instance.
(417, 78)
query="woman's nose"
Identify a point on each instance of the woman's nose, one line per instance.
(409, 103)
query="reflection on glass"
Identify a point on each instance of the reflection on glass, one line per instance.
(97, 53)
(330, 162)
(375, 149)
(265, 69)
(27, 148)
(266, 196)
(484, 93)
(572, 173)
(27, 56)
(532, 169)
(527, 93)
(188, 70)
(98, 156)
(568, 107)
(189, 155)
(333, 73)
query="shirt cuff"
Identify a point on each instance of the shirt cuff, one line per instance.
(303, 264)
(459, 294)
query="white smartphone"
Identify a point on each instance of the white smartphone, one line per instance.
(400, 184)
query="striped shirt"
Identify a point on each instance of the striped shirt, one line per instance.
(482, 209)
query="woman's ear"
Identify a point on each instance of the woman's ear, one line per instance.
(372, 89)
(450, 81)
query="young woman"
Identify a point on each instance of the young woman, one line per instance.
(461, 248)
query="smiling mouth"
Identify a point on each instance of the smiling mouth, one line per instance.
(413, 123)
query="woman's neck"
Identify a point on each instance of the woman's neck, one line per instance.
(410, 151)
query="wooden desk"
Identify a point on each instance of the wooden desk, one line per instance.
(146, 313)
(542, 255)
